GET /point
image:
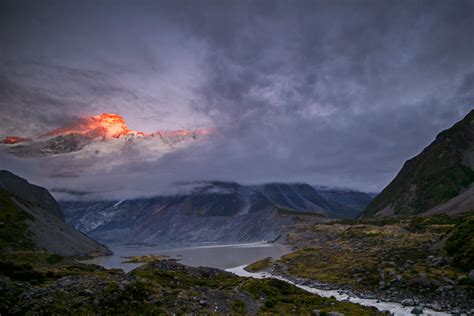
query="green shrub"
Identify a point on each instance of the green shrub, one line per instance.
(238, 307)
(21, 272)
(460, 244)
(54, 258)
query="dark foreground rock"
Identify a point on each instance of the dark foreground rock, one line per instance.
(58, 286)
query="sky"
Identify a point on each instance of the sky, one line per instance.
(338, 93)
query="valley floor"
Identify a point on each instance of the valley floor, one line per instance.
(392, 308)
(33, 283)
(418, 262)
(220, 256)
(425, 262)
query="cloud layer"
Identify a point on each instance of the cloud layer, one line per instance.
(327, 92)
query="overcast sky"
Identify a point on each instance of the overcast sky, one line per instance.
(337, 93)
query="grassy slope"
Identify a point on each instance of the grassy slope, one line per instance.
(431, 178)
(14, 233)
(460, 244)
(259, 265)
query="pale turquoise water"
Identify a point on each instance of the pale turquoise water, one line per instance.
(216, 256)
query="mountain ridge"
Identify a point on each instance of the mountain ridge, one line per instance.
(435, 176)
(212, 212)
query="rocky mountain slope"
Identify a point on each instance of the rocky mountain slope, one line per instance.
(357, 201)
(212, 212)
(438, 175)
(30, 219)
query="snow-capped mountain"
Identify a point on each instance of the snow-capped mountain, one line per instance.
(97, 135)
(96, 144)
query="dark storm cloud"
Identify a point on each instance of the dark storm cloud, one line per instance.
(467, 85)
(337, 92)
(93, 57)
(330, 92)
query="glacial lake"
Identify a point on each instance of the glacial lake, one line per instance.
(215, 256)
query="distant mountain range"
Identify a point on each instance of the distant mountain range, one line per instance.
(437, 181)
(212, 212)
(97, 135)
(30, 219)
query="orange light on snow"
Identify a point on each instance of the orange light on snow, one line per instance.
(108, 125)
(14, 140)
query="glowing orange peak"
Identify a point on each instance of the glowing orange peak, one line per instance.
(111, 125)
(14, 140)
(107, 125)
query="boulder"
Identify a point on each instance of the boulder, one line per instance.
(408, 302)
(435, 284)
(418, 310)
(435, 306)
(421, 280)
(449, 281)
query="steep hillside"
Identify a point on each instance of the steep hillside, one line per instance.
(440, 173)
(354, 201)
(29, 192)
(30, 219)
(301, 196)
